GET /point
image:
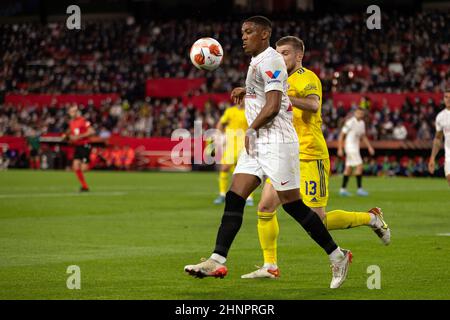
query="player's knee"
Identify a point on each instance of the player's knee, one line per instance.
(266, 207)
(234, 202)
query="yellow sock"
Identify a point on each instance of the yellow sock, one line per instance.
(268, 230)
(340, 219)
(223, 182)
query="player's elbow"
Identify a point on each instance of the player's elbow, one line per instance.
(315, 107)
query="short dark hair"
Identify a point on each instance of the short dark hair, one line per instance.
(295, 42)
(260, 20)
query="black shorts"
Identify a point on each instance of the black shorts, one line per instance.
(83, 153)
(34, 153)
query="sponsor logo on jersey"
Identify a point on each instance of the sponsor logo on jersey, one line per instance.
(311, 87)
(273, 75)
(314, 200)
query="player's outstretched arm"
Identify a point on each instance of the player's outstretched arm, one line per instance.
(340, 150)
(434, 151)
(369, 146)
(309, 103)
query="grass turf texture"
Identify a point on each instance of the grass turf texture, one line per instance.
(134, 232)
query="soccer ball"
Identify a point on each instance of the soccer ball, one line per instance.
(206, 54)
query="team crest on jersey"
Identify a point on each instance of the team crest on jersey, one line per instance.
(273, 75)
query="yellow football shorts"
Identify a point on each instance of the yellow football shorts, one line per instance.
(314, 176)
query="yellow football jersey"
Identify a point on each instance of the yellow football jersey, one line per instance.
(235, 126)
(234, 119)
(308, 125)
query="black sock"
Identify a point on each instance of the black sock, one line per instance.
(311, 222)
(345, 181)
(231, 222)
(359, 181)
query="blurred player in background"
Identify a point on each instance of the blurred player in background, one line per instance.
(305, 93)
(442, 130)
(233, 124)
(353, 131)
(79, 132)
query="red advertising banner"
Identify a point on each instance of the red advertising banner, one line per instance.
(172, 87)
(200, 100)
(47, 99)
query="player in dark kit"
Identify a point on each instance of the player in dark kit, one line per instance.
(78, 134)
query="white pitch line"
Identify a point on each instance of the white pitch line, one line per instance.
(444, 234)
(45, 195)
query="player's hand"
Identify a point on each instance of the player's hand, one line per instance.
(371, 151)
(73, 137)
(250, 142)
(238, 94)
(340, 153)
(431, 166)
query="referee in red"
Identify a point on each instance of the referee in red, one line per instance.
(79, 132)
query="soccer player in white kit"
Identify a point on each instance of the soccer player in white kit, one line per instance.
(442, 130)
(353, 131)
(271, 151)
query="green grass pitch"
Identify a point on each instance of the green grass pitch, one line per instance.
(132, 235)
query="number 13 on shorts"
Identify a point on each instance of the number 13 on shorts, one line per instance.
(314, 182)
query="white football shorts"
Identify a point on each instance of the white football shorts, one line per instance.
(279, 162)
(353, 159)
(447, 167)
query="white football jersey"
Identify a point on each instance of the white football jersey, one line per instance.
(267, 72)
(353, 129)
(443, 124)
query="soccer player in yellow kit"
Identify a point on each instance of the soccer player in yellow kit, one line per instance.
(234, 124)
(305, 93)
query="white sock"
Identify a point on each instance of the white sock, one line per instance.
(373, 220)
(222, 194)
(220, 259)
(343, 189)
(270, 266)
(336, 255)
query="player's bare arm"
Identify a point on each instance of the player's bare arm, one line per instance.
(221, 126)
(309, 103)
(341, 144)
(369, 146)
(269, 111)
(267, 114)
(437, 142)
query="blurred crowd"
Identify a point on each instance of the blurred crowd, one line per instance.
(160, 117)
(415, 120)
(147, 118)
(409, 53)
